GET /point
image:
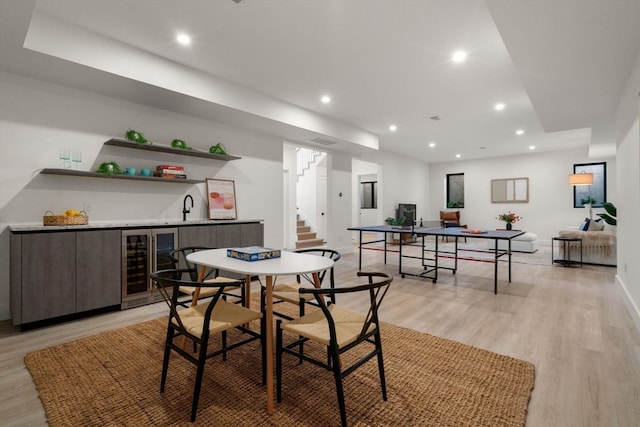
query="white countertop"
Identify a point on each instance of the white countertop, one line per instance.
(126, 224)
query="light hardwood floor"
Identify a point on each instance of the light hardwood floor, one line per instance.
(570, 322)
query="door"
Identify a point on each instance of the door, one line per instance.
(321, 199)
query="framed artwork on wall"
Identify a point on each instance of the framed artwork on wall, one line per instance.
(221, 194)
(595, 193)
(510, 190)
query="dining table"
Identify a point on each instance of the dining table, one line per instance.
(288, 264)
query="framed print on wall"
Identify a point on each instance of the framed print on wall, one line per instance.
(221, 194)
(597, 192)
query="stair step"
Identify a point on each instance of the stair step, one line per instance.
(304, 229)
(309, 243)
(306, 236)
(300, 222)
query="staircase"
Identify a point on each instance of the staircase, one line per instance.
(307, 238)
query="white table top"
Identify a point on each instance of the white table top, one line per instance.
(289, 263)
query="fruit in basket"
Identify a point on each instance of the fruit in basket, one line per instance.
(72, 212)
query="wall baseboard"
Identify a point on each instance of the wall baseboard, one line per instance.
(633, 309)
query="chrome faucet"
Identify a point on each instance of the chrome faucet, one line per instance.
(185, 209)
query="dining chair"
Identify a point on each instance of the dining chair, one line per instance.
(179, 260)
(199, 322)
(340, 330)
(289, 292)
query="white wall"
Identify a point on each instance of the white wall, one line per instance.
(38, 118)
(400, 180)
(628, 157)
(550, 207)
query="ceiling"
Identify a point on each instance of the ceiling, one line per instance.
(559, 66)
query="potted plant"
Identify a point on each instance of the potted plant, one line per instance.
(509, 218)
(610, 216)
(395, 222)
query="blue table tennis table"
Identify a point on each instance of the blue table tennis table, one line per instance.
(430, 266)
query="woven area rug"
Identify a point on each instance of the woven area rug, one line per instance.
(113, 378)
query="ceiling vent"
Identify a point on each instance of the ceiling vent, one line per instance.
(435, 118)
(322, 141)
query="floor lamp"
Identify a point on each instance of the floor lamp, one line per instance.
(583, 178)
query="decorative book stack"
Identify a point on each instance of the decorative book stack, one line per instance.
(170, 171)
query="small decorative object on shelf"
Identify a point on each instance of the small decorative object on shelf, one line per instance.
(253, 253)
(219, 148)
(109, 168)
(180, 144)
(509, 218)
(170, 171)
(135, 136)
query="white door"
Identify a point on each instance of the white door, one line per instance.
(321, 198)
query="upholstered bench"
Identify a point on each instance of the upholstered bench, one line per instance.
(527, 242)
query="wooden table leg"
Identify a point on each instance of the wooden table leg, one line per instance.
(269, 343)
(196, 292)
(195, 297)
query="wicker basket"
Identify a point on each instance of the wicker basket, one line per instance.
(50, 218)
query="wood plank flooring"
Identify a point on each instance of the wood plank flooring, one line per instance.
(570, 322)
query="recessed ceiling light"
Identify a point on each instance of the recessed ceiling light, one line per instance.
(458, 156)
(183, 39)
(519, 132)
(393, 128)
(325, 99)
(432, 144)
(499, 107)
(459, 56)
(532, 147)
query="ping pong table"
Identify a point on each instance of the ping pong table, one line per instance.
(431, 265)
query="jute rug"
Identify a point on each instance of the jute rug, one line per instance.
(113, 379)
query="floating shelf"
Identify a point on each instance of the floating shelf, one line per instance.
(166, 149)
(72, 172)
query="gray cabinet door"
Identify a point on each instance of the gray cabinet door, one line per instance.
(48, 264)
(199, 235)
(98, 269)
(252, 234)
(229, 235)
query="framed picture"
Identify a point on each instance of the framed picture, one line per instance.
(596, 193)
(221, 194)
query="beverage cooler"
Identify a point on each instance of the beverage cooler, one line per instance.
(144, 251)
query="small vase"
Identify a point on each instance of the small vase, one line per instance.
(508, 226)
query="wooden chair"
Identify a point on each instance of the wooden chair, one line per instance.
(450, 219)
(179, 260)
(340, 330)
(199, 322)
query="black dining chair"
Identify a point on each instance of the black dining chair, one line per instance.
(290, 292)
(179, 260)
(199, 322)
(340, 330)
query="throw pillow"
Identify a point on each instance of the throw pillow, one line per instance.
(597, 225)
(585, 225)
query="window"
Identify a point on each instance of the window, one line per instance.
(596, 193)
(455, 190)
(369, 195)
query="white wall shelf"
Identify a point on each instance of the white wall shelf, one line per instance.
(166, 149)
(73, 172)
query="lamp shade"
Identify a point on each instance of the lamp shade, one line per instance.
(581, 179)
